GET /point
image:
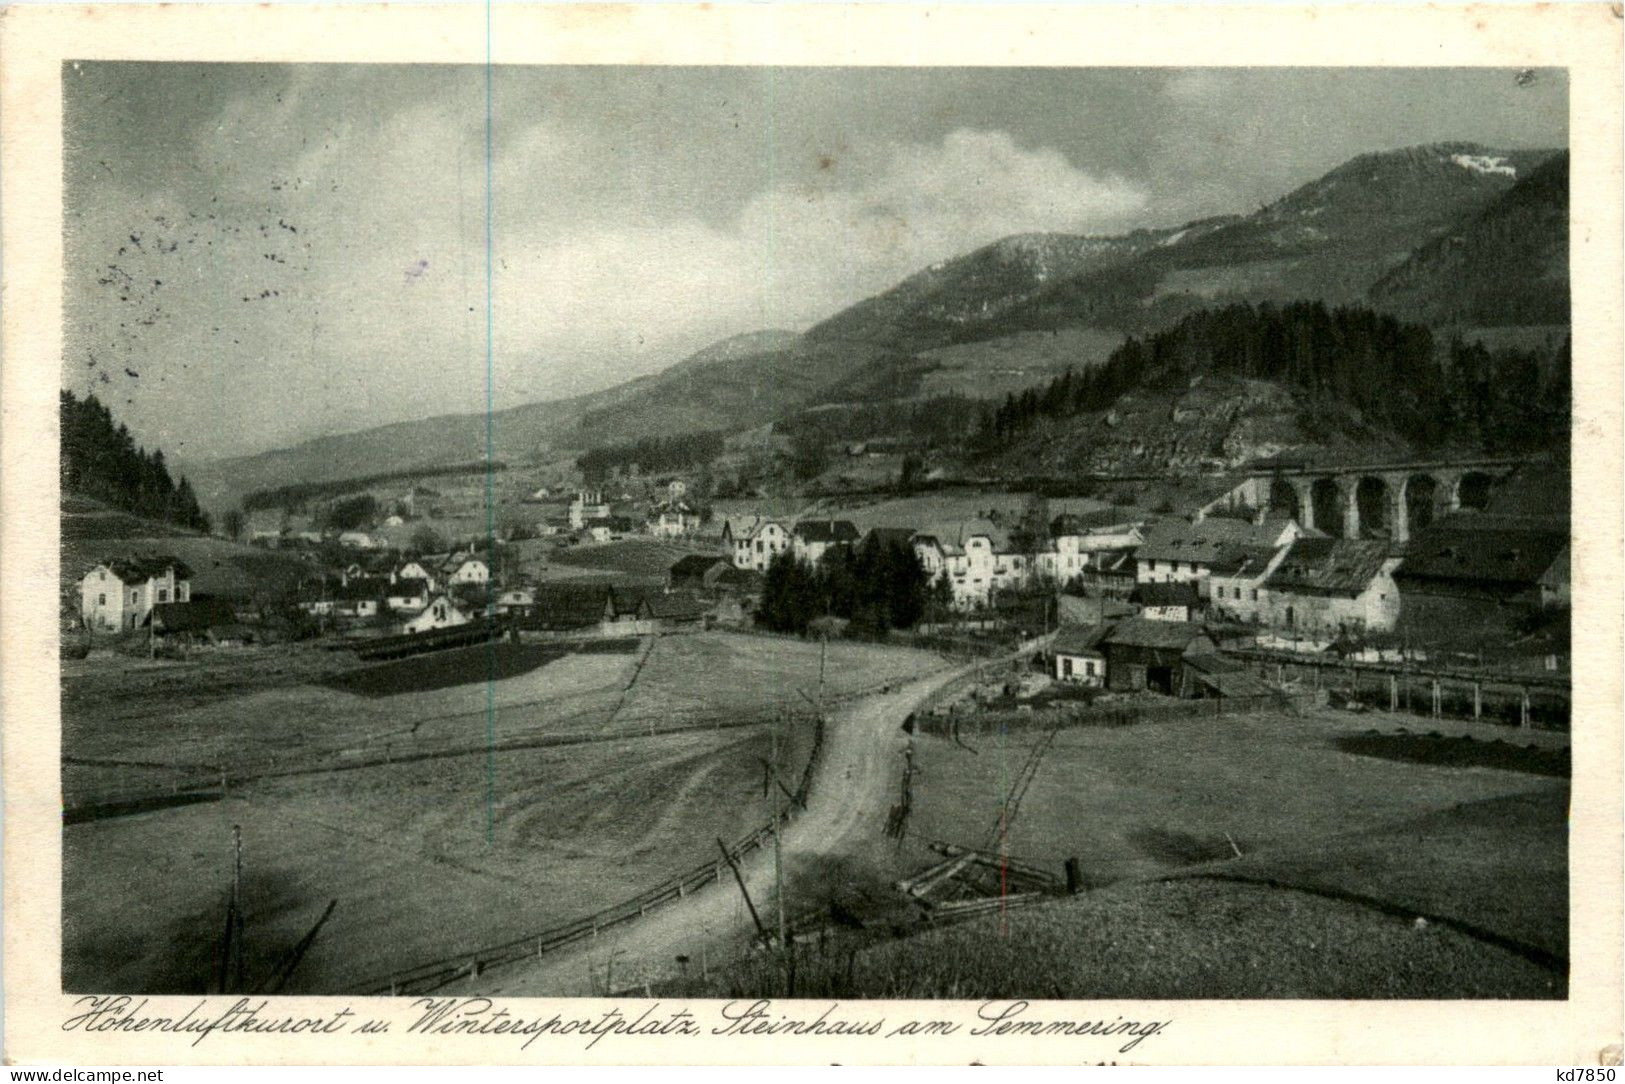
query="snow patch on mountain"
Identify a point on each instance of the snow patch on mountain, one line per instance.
(1485, 163)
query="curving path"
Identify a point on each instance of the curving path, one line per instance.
(851, 794)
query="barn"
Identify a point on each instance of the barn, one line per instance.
(1145, 654)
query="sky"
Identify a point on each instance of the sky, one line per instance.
(260, 254)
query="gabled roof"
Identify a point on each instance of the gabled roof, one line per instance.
(901, 536)
(695, 565)
(571, 603)
(1080, 639)
(1242, 561)
(1146, 632)
(1328, 566)
(140, 569)
(673, 607)
(361, 587)
(1211, 540)
(827, 530)
(1485, 548)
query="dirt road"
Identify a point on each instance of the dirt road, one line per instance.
(851, 794)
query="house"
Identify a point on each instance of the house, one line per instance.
(408, 593)
(361, 597)
(441, 613)
(118, 594)
(1234, 586)
(812, 538)
(1142, 654)
(1076, 655)
(598, 533)
(586, 506)
(196, 619)
(759, 542)
(415, 570)
(672, 519)
(519, 599)
(358, 540)
(676, 490)
(1168, 601)
(566, 607)
(1175, 550)
(395, 520)
(1482, 571)
(1328, 585)
(464, 569)
(671, 610)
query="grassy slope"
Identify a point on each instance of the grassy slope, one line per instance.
(405, 848)
(1483, 848)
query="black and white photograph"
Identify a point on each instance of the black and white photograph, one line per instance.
(1002, 534)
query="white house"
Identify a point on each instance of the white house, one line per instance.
(520, 597)
(673, 519)
(358, 540)
(459, 569)
(586, 506)
(415, 570)
(1076, 655)
(441, 613)
(757, 543)
(118, 594)
(1330, 585)
(408, 593)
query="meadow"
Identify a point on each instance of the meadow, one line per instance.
(496, 835)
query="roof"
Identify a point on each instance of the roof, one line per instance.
(1242, 561)
(361, 587)
(1485, 548)
(695, 564)
(1166, 594)
(890, 535)
(1329, 566)
(1148, 632)
(1227, 676)
(195, 616)
(827, 530)
(1213, 539)
(572, 603)
(140, 569)
(951, 537)
(1080, 639)
(674, 607)
(1083, 522)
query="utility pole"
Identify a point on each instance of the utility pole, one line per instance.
(237, 900)
(778, 850)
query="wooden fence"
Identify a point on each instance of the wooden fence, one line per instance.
(436, 974)
(1539, 700)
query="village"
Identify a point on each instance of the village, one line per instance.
(1134, 600)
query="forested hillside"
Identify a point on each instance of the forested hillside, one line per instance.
(101, 460)
(1389, 376)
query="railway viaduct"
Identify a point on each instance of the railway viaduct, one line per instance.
(1354, 501)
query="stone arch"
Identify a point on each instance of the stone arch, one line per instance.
(1283, 499)
(1473, 491)
(1421, 500)
(1326, 498)
(1371, 499)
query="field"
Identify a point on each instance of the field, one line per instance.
(429, 856)
(1341, 848)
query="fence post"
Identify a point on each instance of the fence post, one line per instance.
(1435, 698)
(1523, 706)
(1393, 692)
(1478, 700)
